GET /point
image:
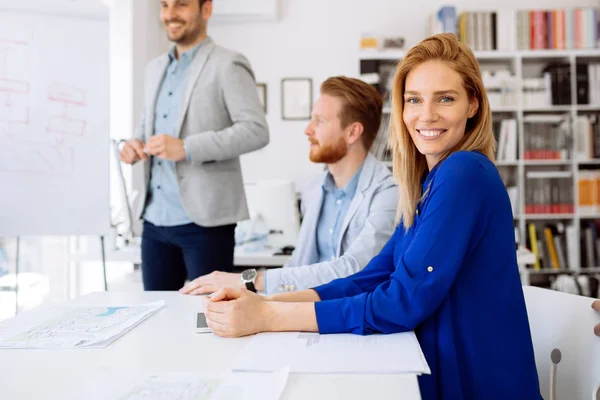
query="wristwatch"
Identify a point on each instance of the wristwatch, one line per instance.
(248, 278)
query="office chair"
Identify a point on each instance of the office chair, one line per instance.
(567, 353)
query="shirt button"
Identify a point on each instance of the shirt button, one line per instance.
(331, 231)
(165, 116)
(170, 93)
(430, 269)
(158, 187)
(159, 163)
(338, 202)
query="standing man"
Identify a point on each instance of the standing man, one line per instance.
(349, 209)
(201, 112)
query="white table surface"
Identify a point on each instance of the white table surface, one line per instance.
(166, 342)
(133, 254)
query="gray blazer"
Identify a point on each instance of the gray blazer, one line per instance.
(221, 118)
(368, 225)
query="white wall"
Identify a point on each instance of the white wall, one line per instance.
(320, 38)
(80, 8)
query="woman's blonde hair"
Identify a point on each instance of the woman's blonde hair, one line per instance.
(409, 164)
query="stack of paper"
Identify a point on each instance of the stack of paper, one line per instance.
(73, 326)
(341, 353)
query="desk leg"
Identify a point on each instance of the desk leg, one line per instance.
(17, 275)
(103, 262)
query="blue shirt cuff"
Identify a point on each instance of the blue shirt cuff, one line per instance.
(330, 317)
(188, 155)
(330, 291)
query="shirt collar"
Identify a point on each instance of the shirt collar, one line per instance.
(186, 56)
(350, 188)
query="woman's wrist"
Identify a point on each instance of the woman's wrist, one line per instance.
(269, 317)
(289, 317)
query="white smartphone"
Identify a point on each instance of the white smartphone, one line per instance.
(201, 325)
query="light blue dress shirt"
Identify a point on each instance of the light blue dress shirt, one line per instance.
(164, 206)
(333, 211)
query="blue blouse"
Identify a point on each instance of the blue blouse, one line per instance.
(453, 279)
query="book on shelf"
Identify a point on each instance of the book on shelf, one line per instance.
(547, 137)
(553, 86)
(588, 83)
(589, 245)
(501, 87)
(569, 28)
(588, 185)
(587, 130)
(506, 133)
(549, 192)
(508, 29)
(551, 245)
(557, 78)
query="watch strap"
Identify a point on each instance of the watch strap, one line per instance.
(250, 286)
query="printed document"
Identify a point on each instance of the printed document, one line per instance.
(183, 386)
(338, 353)
(73, 326)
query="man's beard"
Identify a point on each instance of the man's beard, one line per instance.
(329, 153)
(186, 36)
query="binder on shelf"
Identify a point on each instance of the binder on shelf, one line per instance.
(534, 246)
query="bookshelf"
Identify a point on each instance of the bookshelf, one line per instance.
(567, 164)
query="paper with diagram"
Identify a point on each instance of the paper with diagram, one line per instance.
(73, 326)
(339, 353)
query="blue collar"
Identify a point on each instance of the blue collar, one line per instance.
(186, 56)
(350, 188)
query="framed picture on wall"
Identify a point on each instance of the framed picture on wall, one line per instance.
(296, 98)
(262, 95)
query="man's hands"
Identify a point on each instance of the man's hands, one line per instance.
(212, 282)
(133, 151)
(166, 147)
(237, 312)
(162, 146)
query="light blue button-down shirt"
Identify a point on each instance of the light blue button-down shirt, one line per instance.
(333, 211)
(164, 207)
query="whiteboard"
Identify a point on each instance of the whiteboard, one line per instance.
(244, 10)
(54, 140)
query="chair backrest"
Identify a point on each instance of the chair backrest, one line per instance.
(565, 322)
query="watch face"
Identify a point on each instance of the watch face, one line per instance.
(249, 275)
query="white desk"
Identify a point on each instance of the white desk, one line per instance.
(166, 342)
(133, 255)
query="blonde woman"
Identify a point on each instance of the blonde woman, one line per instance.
(449, 272)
